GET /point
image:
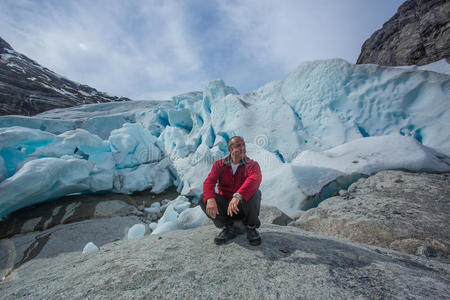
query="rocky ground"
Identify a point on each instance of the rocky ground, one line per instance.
(68, 224)
(290, 264)
(408, 212)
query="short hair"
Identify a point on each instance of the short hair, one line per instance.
(234, 137)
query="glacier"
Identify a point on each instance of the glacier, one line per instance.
(136, 231)
(317, 130)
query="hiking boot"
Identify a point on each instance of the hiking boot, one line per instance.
(253, 236)
(227, 234)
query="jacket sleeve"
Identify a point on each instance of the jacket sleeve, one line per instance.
(210, 182)
(252, 182)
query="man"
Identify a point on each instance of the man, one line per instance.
(238, 178)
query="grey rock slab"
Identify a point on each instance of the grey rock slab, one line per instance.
(31, 224)
(60, 239)
(273, 215)
(114, 208)
(394, 209)
(289, 264)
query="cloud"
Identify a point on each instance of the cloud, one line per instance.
(114, 46)
(288, 32)
(157, 49)
(83, 47)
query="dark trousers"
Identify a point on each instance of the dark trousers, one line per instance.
(248, 211)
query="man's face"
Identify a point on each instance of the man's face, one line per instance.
(237, 149)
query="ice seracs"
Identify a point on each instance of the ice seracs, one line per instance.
(327, 120)
(308, 173)
(40, 166)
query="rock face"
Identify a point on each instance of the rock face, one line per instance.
(418, 34)
(408, 212)
(290, 264)
(27, 88)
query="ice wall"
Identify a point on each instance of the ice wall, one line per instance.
(131, 146)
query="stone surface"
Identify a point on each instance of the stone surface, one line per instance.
(289, 264)
(418, 34)
(393, 209)
(113, 208)
(68, 224)
(272, 215)
(21, 248)
(27, 88)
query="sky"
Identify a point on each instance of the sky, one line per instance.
(155, 49)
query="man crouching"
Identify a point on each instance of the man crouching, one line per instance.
(238, 178)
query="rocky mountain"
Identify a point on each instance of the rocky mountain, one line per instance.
(418, 34)
(27, 88)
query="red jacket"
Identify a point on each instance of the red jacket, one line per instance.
(245, 181)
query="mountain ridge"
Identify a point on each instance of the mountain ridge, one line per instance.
(27, 88)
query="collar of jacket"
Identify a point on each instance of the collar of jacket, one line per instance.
(227, 161)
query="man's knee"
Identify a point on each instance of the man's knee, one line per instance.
(254, 202)
(257, 195)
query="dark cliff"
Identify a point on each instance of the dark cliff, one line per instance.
(418, 34)
(27, 88)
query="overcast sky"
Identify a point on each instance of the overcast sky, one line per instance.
(145, 49)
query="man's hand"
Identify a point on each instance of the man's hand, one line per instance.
(211, 208)
(233, 207)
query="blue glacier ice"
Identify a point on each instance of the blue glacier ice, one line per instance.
(179, 215)
(136, 231)
(168, 221)
(325, 121)
(89, 247)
